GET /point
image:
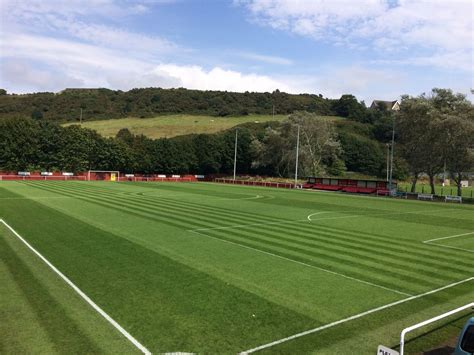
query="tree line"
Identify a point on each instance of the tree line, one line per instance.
(327, 147)
(433, 135)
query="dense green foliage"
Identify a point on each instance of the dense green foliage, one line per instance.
(209, 268)
(107, 104)
(432, 133)
(436, 133)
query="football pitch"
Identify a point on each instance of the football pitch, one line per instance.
(209, 268)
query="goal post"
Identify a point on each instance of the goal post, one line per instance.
(104, 175)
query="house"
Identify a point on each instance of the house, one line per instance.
(389, 105)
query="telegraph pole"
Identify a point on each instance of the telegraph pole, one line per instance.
(235, 152)
(297, 151)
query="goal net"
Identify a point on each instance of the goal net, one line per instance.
(103, 175)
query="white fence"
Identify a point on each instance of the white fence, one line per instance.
(429, 321)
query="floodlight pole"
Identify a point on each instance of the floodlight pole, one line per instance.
(235, 152)
(391, 154)
(80, 118)
(297, 153)
(388, 158)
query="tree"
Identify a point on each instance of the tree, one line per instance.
(424, 134)
(320, 149)
(362, 154)
(348, 106)
(459, 147)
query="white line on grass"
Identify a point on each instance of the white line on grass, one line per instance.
(448, 237)
(356, 316)
(430, 242)
(304, 220)
(304, 264)
(315, 213)
(82, 294)
(34, 198)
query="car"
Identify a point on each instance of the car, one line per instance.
(465, 345)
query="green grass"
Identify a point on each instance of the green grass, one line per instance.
(173, 125)
(210, 268)
(440, 190)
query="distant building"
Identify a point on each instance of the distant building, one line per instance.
(389, 105)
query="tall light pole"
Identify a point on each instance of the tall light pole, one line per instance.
(388, 158)
(391, 154)
(297, 153)
(235, 152)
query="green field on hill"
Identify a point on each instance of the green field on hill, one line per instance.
(210, 268)
(173, 125)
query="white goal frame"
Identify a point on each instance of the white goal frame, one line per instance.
(426, 322)
(103, 171)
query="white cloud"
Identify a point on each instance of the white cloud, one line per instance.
(410, 27)
(94, 66)
(195, 77)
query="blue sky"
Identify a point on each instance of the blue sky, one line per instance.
(370, 48)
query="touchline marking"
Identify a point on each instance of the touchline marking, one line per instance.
(348, 319)
(430, 242)
(302, 263)
(82, 294)
(448, 237)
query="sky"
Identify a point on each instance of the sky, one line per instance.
(373, 49)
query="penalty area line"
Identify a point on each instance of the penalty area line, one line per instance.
(86, 298)
(356, 316)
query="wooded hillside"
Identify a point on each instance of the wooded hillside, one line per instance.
(105, 104)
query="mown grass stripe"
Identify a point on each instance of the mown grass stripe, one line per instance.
(172, 203)
(382, 249)
(143, 209)
(343, 258)
(298, 260)
(193, 207)
(416, 247)
(163, 210)
(135, 212)
(332, 243)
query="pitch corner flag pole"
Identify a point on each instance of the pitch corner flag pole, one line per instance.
(297, 154)
(235, 153)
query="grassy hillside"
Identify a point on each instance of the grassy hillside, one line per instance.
(173, 125)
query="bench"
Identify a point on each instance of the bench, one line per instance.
(425, 197)
(453, 199)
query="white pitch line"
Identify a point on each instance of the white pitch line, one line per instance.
(430, 242)
(305, 220)
(34, 198)
(304, 264)
(314, 214)
(134, 341)
(356, 316)
(448, 237)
